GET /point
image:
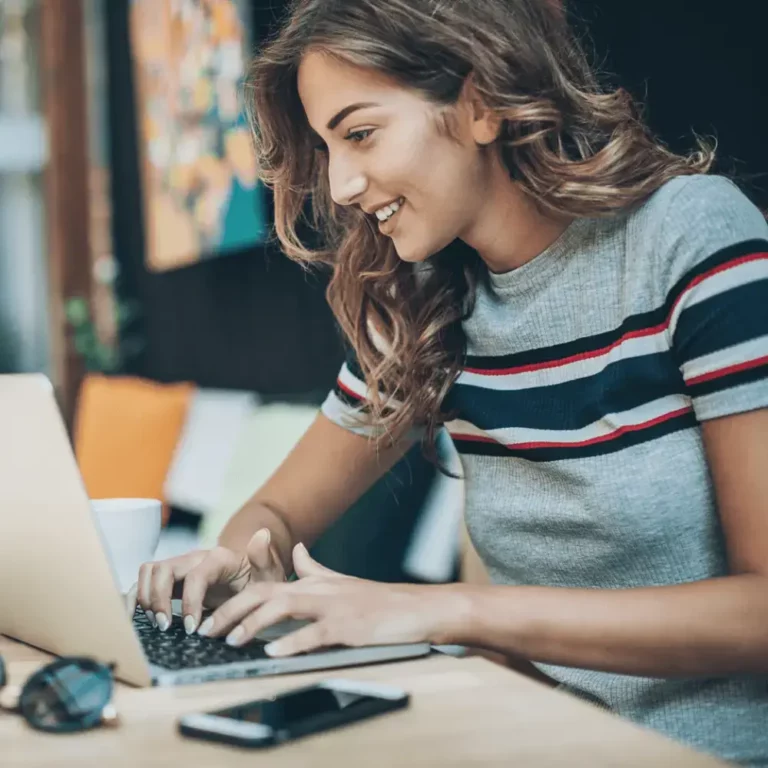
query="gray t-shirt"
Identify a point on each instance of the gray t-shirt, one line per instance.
(589, 370)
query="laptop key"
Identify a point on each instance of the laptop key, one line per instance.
(175, 650)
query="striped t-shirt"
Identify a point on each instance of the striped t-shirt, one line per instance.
(588, 372)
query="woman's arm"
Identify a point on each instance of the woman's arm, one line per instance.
(706, 628)
(325, 473)
(712, 627)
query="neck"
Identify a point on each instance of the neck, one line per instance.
(510, 230)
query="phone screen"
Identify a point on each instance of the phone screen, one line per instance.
(290, 711)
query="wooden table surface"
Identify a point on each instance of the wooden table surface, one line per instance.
(463, 712)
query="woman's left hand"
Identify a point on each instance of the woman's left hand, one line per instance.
(343, 611)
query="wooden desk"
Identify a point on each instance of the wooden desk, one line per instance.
(464, 712)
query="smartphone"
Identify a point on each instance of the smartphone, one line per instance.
(293, 714)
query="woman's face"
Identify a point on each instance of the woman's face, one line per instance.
(384, 147)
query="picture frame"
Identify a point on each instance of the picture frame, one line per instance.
(201, 198)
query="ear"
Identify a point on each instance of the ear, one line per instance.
(485, 124)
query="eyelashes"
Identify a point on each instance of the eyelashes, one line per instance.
(357, 137)
(354, 137)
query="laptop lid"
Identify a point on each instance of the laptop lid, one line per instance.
(57, 588)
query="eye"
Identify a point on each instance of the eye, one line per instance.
(357, 137)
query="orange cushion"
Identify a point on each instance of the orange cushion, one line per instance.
(125, 434)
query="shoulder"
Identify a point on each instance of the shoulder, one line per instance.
(691, 220)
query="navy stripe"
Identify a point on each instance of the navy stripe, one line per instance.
(722, 321)
(353, 364)
(634, 323)
(574, 404)
(350, 358)
(728, 381)
(745, 248)
(626, 440)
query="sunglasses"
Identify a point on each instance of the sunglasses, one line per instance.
(69, 695)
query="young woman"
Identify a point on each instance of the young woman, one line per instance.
(516, 258)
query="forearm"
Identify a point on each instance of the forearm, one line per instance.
(713, 627)
(325, 473)
(249, 519)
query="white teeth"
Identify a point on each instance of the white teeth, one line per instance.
(388, 210)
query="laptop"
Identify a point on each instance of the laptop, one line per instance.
(58, 590)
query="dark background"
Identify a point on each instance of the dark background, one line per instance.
(255, 321)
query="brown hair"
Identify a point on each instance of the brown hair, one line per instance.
(577, 149)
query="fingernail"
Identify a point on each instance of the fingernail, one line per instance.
(206, 627)
(272, 649)
(162, 622)
(235, 637)
(190, 624)
(151, 616)
(265, 534)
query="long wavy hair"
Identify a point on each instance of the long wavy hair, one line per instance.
(576, 148)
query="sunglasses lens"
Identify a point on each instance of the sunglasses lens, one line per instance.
(68, 695)
(3, 679)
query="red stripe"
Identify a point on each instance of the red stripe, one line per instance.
(584, 443)
(345, 388)
(473, 438)
(568, 360)
(631, 335)
(714, 271)
(736, 368)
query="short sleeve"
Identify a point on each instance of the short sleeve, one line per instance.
(347, 402)
(714, 266)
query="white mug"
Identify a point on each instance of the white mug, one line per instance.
(130, 529)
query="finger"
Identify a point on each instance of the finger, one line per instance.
(291, 605)
(224, 618)
(263, 557)
(220, 566)
(278, 569)
(131, 598)
(258, 549)
(305, 565)
(310, 638)
(160, 591)
(180, 565)
(143, 592)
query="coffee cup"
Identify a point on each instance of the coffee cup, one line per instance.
(130, 529)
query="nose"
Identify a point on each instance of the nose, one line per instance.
(347, 180)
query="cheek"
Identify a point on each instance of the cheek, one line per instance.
(440, 185)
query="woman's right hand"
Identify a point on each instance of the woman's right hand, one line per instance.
(209, 578)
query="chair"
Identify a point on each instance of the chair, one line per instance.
(125, 434)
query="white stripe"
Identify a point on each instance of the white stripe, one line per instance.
(735, 277)
(579, 369)
(344, 415)
(723, 358)
(607, 425)
(352, 383)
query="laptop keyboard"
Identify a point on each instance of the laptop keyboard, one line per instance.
(175, 649)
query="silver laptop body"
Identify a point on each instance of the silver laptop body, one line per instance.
(58, 590)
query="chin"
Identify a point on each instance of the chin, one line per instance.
(412, 253)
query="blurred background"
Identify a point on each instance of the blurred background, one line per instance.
(188, 355)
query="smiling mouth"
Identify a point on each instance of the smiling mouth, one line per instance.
(387, 225)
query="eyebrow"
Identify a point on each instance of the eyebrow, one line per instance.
(334, 121)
